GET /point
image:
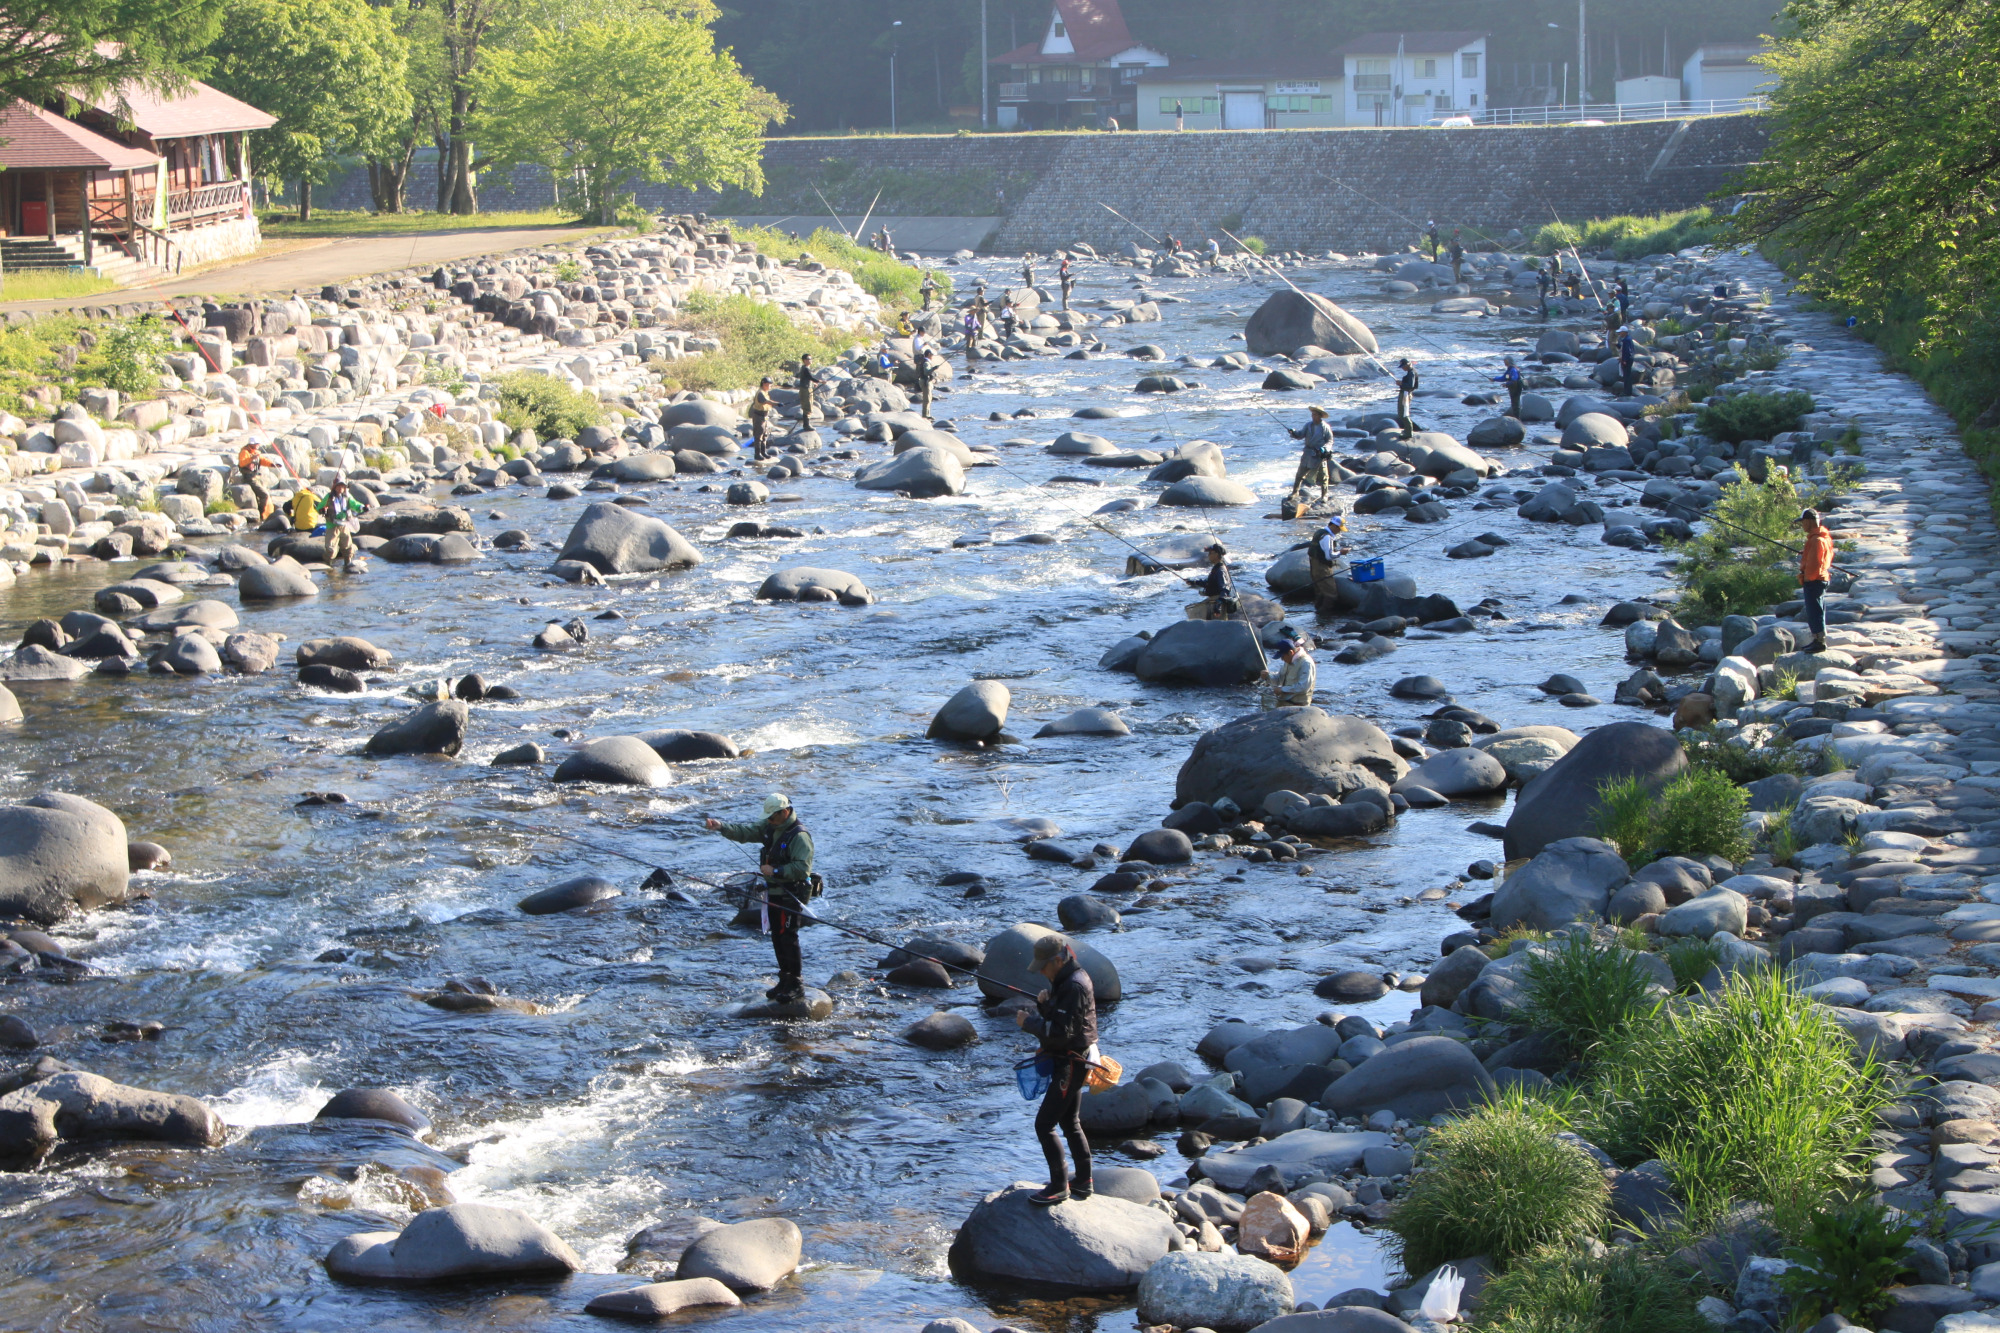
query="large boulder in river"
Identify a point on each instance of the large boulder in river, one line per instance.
(59, 853)
(1230, 1293)
(1570, 879)
(620, 760)
(462, 1241)
(685, 747)
(1292, 319)
(922, 473)
(744, 1256)
(435, 728)
(1202, 652)
(1010, 957)
(1303, 750)
(1417, 1079)
(1099, 1244)
(1207, 493)
(1436, 454)
(282, 577)
(74, 1107)
(1463, 772)
(803, 583)
(1561, 802)
(698, 412)
(408, 516)
(343, 651)
(975, 713)
(614, 540)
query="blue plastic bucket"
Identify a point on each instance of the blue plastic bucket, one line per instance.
(1366, 571)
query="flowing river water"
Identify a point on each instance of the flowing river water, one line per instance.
(631, 1102)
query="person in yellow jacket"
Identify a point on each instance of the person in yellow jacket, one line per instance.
(305, 510)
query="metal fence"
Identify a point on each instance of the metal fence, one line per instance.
(1613, 113)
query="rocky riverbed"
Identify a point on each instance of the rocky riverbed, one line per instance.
(331, 920)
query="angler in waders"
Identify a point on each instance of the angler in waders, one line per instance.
(1511, 377)
(805, 388)
(1406, 389)
(1457, 253)
(789, 883)
(1066, 279)
(762, 404)
(1065, 1019)
(926, 379)
(929, 289)
(1323, 555)
(1315, 457)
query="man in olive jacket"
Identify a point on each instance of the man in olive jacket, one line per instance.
(786, 865)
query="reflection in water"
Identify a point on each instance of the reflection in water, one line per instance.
(286, 950)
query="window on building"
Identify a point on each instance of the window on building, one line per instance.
(1442, 102)
(1468, 64)
(1059, 28)
(1371, 74)
(1427, 69)
(1210, 105)
(1322, 106)
(1474, 101)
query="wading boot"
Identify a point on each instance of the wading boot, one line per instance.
(1049, 1197)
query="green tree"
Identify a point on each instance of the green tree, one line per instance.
(332, 71)
(84, 48)
(644, 97)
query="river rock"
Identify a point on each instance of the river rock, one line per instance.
(1298, 1157)
(1202, 652)
(941, 1031)
(375, 1104)
(1082, 911)
(282, 577)
(744, 1256)
(1705, 914)
(1570, 879)
(1559, 804)
(1291, 319)
(1417, 1079)
(699, 412)
(1272, 1229)
(654, 465)
(434, 728)
(621, 760)
(74, 1107)
(407, 516)
(10, 707)
(31, 661)
(60, 853)
(1303, 750)
(205, 614)
(1339, 1319)
(1010, 957)
(1207, 493)
(1099, 1244)
(1086, 722)
(923, 473)
(614, 540)
(1229, 1293)
(249, 653)
(1161, 847)
(976, 713)
(793, 585)
(338, 680)
(658, 1300)
(461, 1241)
(568, 895)
(687, 747)
(346, 652)
(1456, 773)
(191, 655)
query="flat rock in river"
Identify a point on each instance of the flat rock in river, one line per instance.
(462, 1241)
(1099, 1244)
(1303, 750)
(1300, 1156)
(744, 1256)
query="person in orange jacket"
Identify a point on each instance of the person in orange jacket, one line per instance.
(1815, 564)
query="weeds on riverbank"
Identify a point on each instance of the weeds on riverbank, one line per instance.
(1496, 1182)
(757, 339)
(1848, 1255)
(1699, 813)
(1586, 995)
(1745, 558)
(1631, 237)
(69, 353)
(1706, 749)
(1754, 416)
(546, 405)
(1566, 1291)
(887, 279)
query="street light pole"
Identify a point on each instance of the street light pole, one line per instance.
(895, 39)
(1582, 75)
(982, 64)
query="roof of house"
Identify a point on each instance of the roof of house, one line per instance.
(1411, 43)
(1095, 28)
(34, 139)
(199, 110)
(1727, 53)
(1276, 67)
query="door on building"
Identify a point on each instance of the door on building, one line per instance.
(1243, 111)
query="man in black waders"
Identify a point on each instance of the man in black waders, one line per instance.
(1065, 1019)
(805, 388)
(762, 404)
(789, 883)
(1406, 388)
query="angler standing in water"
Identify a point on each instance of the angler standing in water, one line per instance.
(789, 883)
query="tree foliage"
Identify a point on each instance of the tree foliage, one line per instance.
(84, 48)
(334, 73)
(637, 97)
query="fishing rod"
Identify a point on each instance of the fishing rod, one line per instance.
(1399, 213)
(835, 216)
(869, 214)
(1130, 223)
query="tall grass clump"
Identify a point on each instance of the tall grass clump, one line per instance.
(1586, 995)
(888, 280)
(1691, 958)
(757, 338)
(1752, 1096)
(1700, 813)
(546, 405)
(1567, 1291)
(1753, 416)
(1623, 817)
(1498, 1183)
(1631, 237)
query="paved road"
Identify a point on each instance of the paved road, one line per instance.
(338, 261)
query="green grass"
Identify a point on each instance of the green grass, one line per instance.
(1630, 237)
(758, 339)
(1746, 557)
(1752, 1096)
(70, 353)
(1849, 1254)
(1782, 839)
(278, 223)
(51, 285)
(1585, 995)
(1495, 1182)
(1700, 813)
(1623, 817)
(546, 405)
(1565, 1291)
(890, 281)
(1754, 416)
(1691, 959)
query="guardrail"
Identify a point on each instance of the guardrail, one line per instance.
(1614, 113)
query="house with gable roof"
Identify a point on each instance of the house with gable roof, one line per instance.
(1080, 73)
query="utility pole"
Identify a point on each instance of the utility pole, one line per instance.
(895, 40)
(1582, 74)
(982, 64)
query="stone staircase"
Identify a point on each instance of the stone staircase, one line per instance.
(25, 254)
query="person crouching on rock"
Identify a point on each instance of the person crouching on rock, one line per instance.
(1065, 1019)
(786, 865)
(1293, 685)
(1218, 588)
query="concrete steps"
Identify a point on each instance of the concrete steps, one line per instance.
(22, 254)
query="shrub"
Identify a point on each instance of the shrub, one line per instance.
(1780, 837)
(128, 355)
(1566, 1291)
(887, 279)
(1629, 237)
(1255, 245)
(569, 269)
(1754, 1095)
(1849, 1254)
(1707, 750)
(1746, 558)
(1495, 1183)
(1753, 416)
(546, 405)
(1691, 959)
(757, 340)
(1700, 813)
(1585, 994)
(1624, 817)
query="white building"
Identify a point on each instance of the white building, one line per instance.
(1647, 89)
(1411, 78)
(1721, 72)
(1272, 93)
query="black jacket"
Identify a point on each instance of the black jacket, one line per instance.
(1067, 1021)
(1219, 583)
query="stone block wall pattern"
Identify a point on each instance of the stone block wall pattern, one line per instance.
(1342, 189)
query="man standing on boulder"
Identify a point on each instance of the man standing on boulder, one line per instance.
(761, 406)
(1218, 588)
(1431, 231)
(929, 288)
(1511, 377)
(1457, 256)
(1314, 458)
(926, 378)
(1815, 565)
(1065, 1019)
(805, 387)
(1406, 388)
(340, 506)
(786, 866)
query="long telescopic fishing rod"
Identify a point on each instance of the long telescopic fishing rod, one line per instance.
(1130, 223)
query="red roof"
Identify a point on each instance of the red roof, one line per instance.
(1096, 28)
(34, 139)
(200, 110)
(1413, 43)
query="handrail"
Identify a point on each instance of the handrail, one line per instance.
(1618, 112)
(162, 253)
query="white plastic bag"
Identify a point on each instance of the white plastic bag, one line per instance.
(1441, 1300)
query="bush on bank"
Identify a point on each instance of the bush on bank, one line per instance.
(757, 338)
(888, 280)
(1631, 237)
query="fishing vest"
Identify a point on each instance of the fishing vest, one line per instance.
(778, 847)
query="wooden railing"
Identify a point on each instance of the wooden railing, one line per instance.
(192, 208)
